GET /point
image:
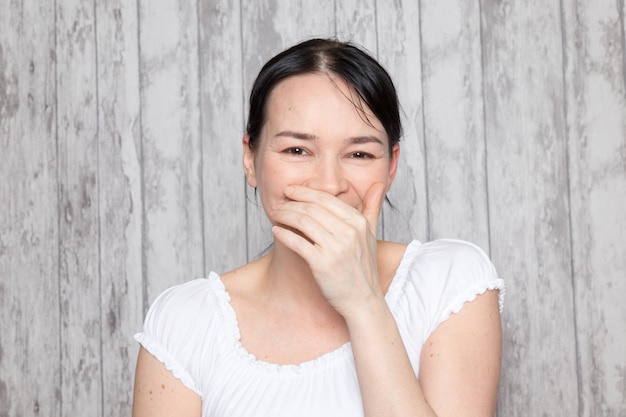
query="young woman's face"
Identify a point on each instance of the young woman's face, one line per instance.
(316, 137)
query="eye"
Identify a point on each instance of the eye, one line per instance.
(361, 155)
(296, 151)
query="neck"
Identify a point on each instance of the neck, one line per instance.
(288, 277)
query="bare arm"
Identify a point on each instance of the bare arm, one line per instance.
(386, 379)
(463, 357)
(158, 393)
(459, 365)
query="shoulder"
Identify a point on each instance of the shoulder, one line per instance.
(184, 301)
(458, 253)
(183, 317)
(440, 276)
(184, 313)
(180, 326)
(447, 258)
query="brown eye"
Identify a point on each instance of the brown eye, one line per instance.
(296, 151)
(361, 155)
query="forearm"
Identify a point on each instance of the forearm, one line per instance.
(388, 384)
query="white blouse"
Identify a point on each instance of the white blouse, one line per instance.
(192, 329)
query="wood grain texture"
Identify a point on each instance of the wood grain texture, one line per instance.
(454, 121)
(120, 208)
(79, 234)
(355, 21)
(399, 50)
(120, 130)
(172, 175)
(221, 116)
(528, 205)
(29, 247)
(596, 126)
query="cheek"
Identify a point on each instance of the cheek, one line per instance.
(271, 181)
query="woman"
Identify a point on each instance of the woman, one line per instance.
(332, 322)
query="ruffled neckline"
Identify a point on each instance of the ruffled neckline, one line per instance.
(341, 354)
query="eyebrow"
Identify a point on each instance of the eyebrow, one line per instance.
(296, 135)
(307, 136)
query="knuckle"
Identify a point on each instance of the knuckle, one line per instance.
(362, 223)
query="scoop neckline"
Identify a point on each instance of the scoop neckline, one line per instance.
(341, 353)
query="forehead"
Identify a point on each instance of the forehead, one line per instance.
(310, 99)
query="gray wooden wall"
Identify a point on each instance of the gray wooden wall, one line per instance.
(120, 127)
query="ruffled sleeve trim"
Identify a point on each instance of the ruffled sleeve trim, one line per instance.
(171, 364)
(471, 294)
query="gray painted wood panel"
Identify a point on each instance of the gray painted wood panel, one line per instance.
(528, 205)
(120, 137)
(454, 121)
(171, 150)
(596, 128)
(29, 243)
(79, 233)
(120, 208)
(222, 121)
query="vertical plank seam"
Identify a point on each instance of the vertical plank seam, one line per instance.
(59, 206)
(620, 12)
(376, 29)
(98, 207)
(335, 17)
(142, 176)
(200, 139)
(245, 129)
(484, 109)
(424, 141)
(565, 110)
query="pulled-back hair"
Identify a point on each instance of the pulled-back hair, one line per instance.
(357, 68)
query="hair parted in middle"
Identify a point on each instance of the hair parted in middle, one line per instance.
(365, 76)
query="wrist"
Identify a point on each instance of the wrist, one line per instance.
(368, 314)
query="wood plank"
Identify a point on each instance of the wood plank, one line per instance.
(222, 128)
(528, 205)
(29, 302)
(120, 209)
(172, 172)
(355, 21)
(454, 121)
(77, 141)
(596, 127)
(399, 51)
(282, 23)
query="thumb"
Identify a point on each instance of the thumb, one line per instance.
(372, 203)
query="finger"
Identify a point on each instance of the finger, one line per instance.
(313, 221)
(328, 201)
(372, 203)
(296, 242)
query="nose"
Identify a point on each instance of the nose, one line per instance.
(328, 176)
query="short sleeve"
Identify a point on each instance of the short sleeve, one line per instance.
(437, 279)
(174, 327)
(461, 272)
